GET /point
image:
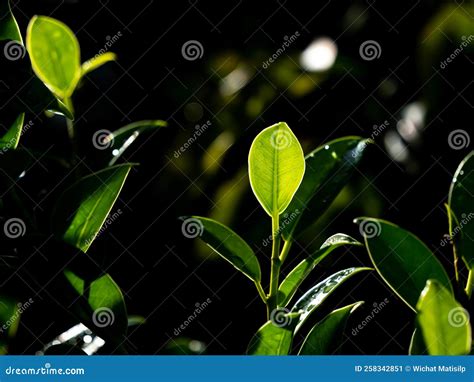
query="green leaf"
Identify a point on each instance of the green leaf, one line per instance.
(315, 296)
(55, 55)
(402, 260)
(82, 209)
(461, 203)
(273, 338)
(276, 167)
(225, 242)
(12, 136)
(444, 323)
(107, 312)
(121, 139)
(8, 26)
(328, 170)
(291, 283)
(96, 62)
(417, 345)
(326, 336)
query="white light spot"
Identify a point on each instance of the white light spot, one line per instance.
(320, 55)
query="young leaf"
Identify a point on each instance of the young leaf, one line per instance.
(315, 296)
(122, 138)
(276, 167)
(461, 203)
(401, 259)
(12, 136)
(291, 283)
(82, 209)
(226, 243)
(328, 170)
(55, 55)
(326, 336)
(96, 62)
(274, 337)
(107, 312)
(444, 323)
(8, 26)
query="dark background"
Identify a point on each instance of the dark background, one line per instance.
(162, 273)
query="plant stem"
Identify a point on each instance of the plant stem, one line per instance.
(470, 283)
(286, 249)
(272, 301)
(261, 292)
(70, 129)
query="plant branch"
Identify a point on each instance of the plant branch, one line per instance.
(261, 292)
(470, 283)
(275, 264)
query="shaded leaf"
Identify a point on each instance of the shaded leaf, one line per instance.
(417, 344)
(444, 323)
(121, 139)
(55, 54)
(401, 259)
(328, 170)
(461, 203)
(107, 313)
(8, 26)
(315, 296)
(326, 336)
(226, 243)
(276, 167)
(82, 209)
(291, 283)
(12, 136)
